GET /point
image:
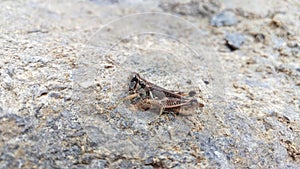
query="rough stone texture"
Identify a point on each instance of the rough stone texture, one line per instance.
(46, 121)
(203, 8)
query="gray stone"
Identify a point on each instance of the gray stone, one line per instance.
(147, 167)
(54, 95)
(98, 163)
(225, 18)
(235, 40)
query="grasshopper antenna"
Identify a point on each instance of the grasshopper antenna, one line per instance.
(113, 62)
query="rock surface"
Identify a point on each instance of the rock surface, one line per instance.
(56, 86)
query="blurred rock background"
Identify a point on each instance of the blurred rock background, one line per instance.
(42, 124)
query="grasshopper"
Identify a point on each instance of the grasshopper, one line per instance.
(151, 94)
(146, 95)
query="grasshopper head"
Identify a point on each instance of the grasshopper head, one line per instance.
(133, 83)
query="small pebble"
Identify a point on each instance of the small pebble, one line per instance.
(225, 18)
(189, 81)
(206, 82)
(192, 93)
(259, 37)
(54, 95)
(234, 40)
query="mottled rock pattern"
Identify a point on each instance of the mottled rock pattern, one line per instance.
(44, 125)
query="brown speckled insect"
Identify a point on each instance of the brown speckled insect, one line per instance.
(151, 95)
(147, 95)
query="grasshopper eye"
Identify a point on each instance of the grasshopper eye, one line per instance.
(133, 83)
(133, 78)
(192, 93)
(143, 84)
